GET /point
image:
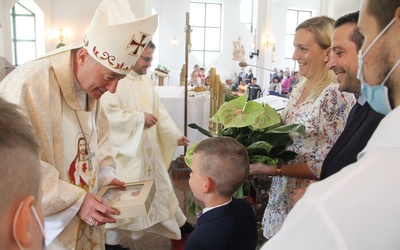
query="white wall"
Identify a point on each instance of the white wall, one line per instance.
(77, 14)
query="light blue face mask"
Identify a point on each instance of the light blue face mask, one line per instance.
(378, 95)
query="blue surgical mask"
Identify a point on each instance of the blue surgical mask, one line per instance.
(378, 95)
(37, 220)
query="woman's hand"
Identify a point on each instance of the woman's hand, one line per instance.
(262, 168)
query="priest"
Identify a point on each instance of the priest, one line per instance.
(144, 139)
(59, 94)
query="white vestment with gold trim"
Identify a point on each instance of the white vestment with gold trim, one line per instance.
(46, 92)
(143, 154)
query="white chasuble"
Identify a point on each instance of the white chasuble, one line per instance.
(143, 154)
(80, 159)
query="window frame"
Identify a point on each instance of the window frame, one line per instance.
(14, 40)
(206, 28)
(287, 59)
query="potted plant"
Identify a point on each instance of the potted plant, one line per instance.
(258, 127)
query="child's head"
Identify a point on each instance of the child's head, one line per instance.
(221, 160)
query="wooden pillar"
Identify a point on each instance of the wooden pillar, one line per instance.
(188, 30)
(160, 81)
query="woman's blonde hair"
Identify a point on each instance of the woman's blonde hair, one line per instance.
(322, 29)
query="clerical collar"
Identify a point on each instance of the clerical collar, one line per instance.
(135, 75)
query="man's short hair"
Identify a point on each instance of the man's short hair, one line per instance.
(355, 36)
(254, 78)
(383, 11)
(19, 154)
(151, 45)
(225, 161)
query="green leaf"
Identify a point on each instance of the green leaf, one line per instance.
(239, 193)
(262, 158)
(200, 129)
(238, 113)
(276, 139)
(229, 96)
(268, 118)
(290, 128)
(256, 146)
(230, 108)
(189, 155)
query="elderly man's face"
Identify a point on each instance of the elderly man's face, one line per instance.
(93, 77)
(343, 60)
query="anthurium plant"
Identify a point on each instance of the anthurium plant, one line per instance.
(258, 127)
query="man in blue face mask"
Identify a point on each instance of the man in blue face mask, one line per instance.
(21, 212)
(377, 94)
(358, 207)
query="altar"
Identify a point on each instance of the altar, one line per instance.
(172, 97)
(277, 102)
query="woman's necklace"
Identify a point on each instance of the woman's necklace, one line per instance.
(88, 157)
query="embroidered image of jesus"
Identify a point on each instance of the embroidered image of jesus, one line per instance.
(80, 171)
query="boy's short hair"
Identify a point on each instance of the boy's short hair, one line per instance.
(19, 153)
(225, 161)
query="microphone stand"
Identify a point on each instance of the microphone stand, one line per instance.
(244, 64)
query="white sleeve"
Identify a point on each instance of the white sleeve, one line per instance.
(308, 226)
(55, 223)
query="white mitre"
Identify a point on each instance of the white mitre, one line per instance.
(115, 39)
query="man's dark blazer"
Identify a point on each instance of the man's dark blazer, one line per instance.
(232, 226)
(352, 140)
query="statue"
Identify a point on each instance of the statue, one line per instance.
(238, 51)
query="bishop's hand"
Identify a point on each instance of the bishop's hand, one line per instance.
(94, 212)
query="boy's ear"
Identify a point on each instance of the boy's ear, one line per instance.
(208, 185)
(22, 223)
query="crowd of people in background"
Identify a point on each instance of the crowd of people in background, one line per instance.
(281, 82)
(198, 76)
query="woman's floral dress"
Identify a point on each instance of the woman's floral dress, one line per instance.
(324, 119)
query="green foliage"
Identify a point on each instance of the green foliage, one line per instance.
(258, 127)
(229, 96)
(255, 125)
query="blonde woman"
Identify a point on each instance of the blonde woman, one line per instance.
(316, 103)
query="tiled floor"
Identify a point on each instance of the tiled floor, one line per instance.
(179, 177)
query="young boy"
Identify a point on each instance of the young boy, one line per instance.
(220, 166)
